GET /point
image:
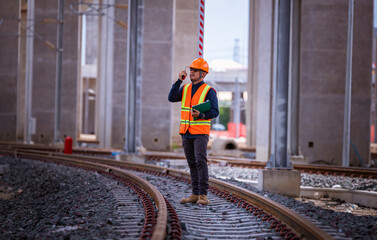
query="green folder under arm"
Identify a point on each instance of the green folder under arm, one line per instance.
(202, 107)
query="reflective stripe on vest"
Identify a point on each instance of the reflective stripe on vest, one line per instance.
(199, 126)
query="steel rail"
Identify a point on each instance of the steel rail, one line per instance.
(318, 169)
(299, 224)
(43, 147)
(159, 232)
(228, 161)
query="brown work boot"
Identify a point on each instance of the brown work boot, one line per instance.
(192, 199)
(203, 200)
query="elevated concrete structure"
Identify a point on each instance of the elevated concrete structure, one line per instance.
(169, 44)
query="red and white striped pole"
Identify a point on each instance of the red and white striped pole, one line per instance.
(201, 29)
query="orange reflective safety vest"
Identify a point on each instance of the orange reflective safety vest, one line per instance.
(199, 126)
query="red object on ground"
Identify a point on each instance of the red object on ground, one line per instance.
(232, 129)
(68, 145)
(231, 132)
(372, 133)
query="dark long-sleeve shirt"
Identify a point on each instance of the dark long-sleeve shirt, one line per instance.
(175, 95)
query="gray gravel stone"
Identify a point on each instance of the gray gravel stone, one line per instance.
(356, 227)
(55, 203)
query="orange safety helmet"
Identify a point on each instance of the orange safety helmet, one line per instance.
(201, 64)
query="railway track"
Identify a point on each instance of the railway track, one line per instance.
(232, 207)
(370, 173)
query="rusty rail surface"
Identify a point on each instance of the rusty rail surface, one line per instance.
(303, 227)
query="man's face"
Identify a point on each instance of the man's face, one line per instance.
(194, 74)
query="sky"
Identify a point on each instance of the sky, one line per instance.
(226, 20)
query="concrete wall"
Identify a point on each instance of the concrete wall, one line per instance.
(323, 71)
(8, 69)
(44, 70)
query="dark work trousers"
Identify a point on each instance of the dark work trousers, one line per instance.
(196, 154)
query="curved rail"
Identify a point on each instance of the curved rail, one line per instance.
(161, 222)
(299, 224)
(153, 155)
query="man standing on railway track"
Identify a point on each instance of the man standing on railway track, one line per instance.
(195, 126)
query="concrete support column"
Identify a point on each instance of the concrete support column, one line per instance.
(119, 78)
(157, 71)
(105, 76)
(184, 52)
(252, 83)
(260, 79)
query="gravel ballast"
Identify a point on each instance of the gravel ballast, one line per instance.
(312, 180)
(356, 227)
(353, 226)
(38, 201)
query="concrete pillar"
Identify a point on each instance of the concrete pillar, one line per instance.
(261, 65)
(119, 79)
(184, 52)
(157, 72)
(9, 40)
(252, 83)
(105, 76)
(322, 86)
